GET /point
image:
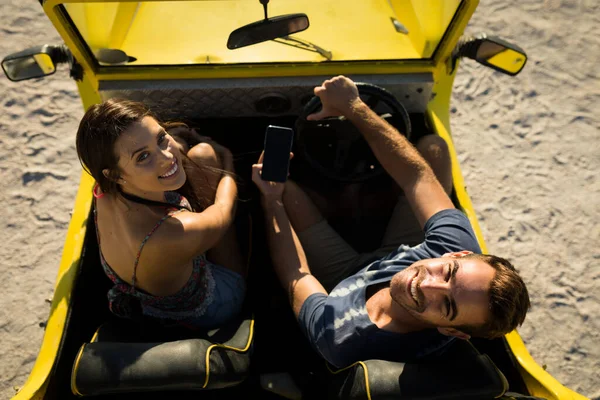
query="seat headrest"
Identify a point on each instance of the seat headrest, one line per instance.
(461, 373)
(124, 357)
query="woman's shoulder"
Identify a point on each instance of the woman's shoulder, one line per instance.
(131, 220)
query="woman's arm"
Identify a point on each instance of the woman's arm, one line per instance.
(287, 254)
(188, 234)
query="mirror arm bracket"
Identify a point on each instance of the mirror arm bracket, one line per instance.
(62, 55)
(76, 71)
(466, 47)
(264, 3)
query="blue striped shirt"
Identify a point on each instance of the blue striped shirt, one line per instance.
(338, 326)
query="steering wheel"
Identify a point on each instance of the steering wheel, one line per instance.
(335, 148)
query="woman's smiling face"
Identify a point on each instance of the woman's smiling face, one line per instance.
(149, 160)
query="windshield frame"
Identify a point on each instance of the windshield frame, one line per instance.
(83, 54)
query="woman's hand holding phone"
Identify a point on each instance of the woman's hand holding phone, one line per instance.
(269, 190)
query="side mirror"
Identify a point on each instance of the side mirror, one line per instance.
(267, 29)
(34, 62)
(492, 52)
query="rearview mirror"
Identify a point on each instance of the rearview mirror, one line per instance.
(492, 52)
(267, 29)
(501, 56)
(32, 63)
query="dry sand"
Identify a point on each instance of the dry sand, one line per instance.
(529, 148)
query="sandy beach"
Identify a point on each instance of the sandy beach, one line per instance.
(529, 148)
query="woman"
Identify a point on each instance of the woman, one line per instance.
(160, 206)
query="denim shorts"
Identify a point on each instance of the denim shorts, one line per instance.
(228, 298)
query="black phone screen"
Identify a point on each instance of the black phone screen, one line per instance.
(276, 160)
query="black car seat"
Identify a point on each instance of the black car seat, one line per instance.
(125, 356)
(460, 373)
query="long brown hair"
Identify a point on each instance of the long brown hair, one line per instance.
(98, 132)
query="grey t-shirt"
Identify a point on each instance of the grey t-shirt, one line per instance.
(338, 326)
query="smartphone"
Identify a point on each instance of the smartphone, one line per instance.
(276, 160)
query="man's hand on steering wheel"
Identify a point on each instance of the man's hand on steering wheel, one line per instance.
(338, 95)
(334, 147)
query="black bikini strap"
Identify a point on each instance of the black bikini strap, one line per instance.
(147, 202)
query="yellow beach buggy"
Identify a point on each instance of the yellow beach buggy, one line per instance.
(230, 68)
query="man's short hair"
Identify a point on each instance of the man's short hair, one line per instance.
(508, 300)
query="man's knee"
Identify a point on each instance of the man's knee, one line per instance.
(204, 154)
(436, 152)
(433, 147)
(303, 213)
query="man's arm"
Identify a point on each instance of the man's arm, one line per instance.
(403, 163)
(396, 154)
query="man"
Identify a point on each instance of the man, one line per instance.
(410, 302)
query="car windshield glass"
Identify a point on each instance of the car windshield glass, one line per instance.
(196, 32)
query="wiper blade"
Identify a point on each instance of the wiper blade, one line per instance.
(305, 45)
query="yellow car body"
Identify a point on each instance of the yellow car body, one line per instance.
(189, 44)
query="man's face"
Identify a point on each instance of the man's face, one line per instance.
(445, 292)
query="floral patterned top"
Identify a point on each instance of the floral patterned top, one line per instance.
(190, 302)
